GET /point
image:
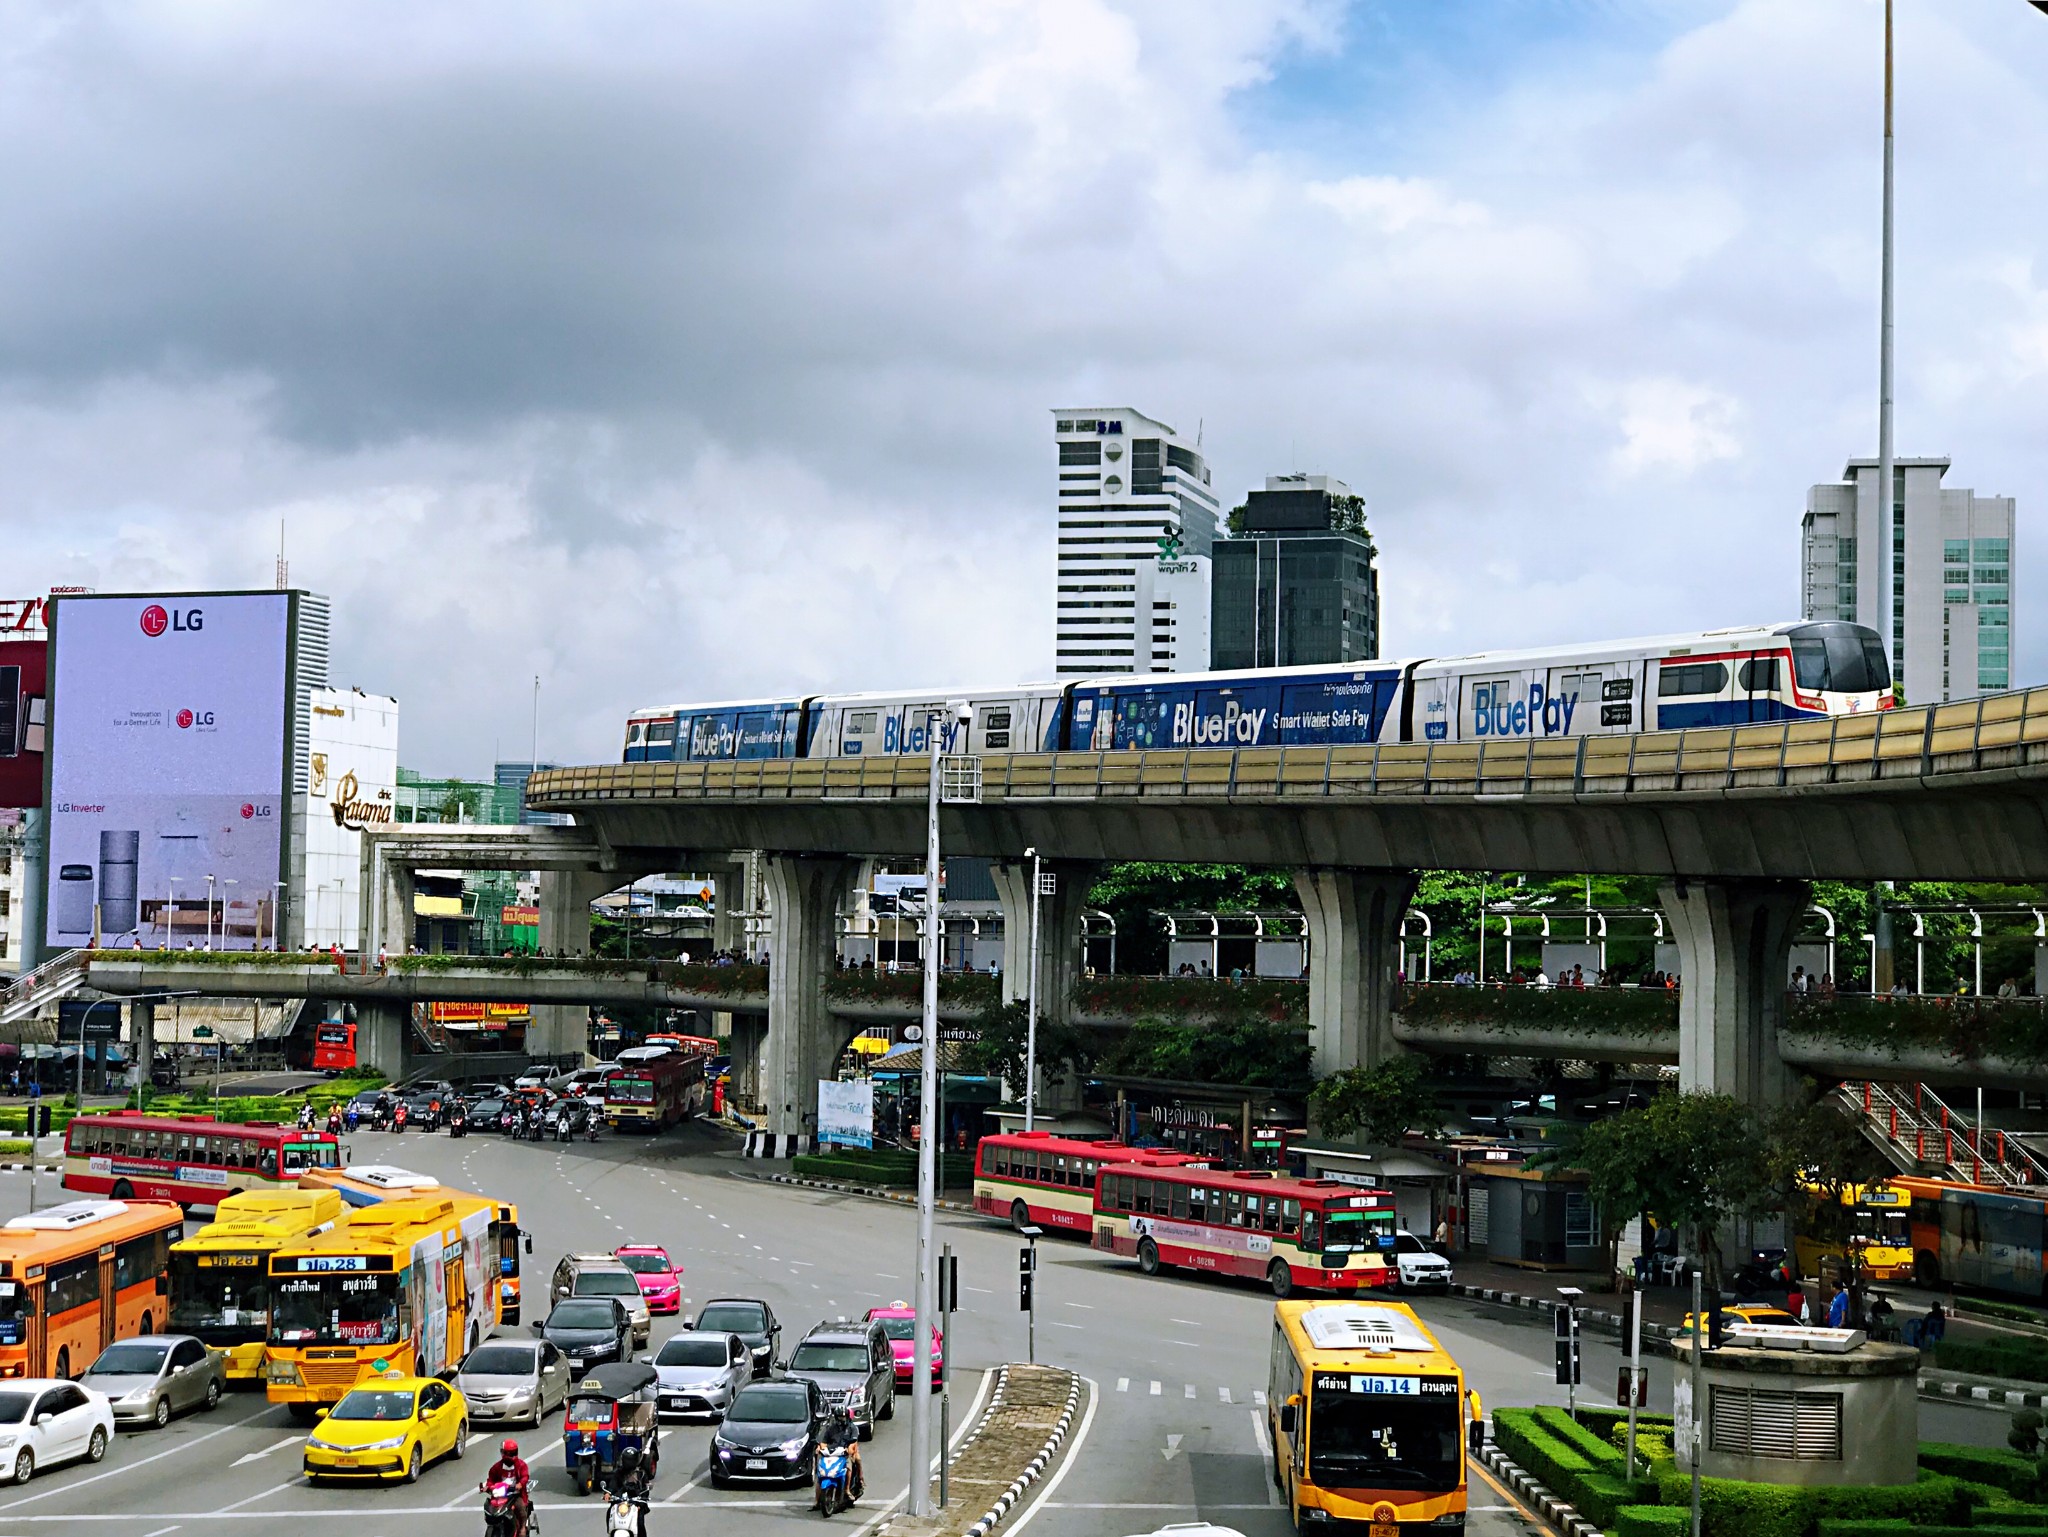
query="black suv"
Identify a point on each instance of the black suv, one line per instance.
(769, 1433)
(589, 1331)
(752, 1320)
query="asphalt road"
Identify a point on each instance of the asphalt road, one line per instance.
(1174, 1430)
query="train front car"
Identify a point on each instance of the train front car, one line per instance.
(1838, 669)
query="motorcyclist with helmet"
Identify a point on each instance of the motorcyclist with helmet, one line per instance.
(840, 1435)
(511, 1468)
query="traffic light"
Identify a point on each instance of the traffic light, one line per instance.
(949, 1283)
(1567, 1348)
(1024, 1292)
(1631, 1305)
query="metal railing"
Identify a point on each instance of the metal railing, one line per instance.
(1995, 731)
(55, 978)
(1922, 1129)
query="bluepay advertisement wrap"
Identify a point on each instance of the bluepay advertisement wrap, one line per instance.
(167, 766)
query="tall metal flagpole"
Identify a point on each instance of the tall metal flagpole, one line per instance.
(1886, 537)
(928, 1133)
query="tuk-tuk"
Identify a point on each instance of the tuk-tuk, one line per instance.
(614, 1407)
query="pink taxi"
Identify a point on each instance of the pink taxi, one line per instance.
(899, 1322)
(660, 1278)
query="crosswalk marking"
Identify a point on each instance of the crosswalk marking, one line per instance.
(1190, 1391)
(1259, 1397)
(1123, 1384)
(1155, 1390)
(1223, 1394)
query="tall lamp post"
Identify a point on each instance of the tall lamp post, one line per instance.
(929, 1132)
(1031, 1006)
(1884, 377)
(225, 880)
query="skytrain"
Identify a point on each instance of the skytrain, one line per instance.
(1707, 678)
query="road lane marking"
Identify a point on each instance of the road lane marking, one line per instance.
(274, 1446)
(1073, 1456)
(1155, 1390)
(296, 1482)
(1190, 1392)
(1265, 1455)
(1123, 1384)
(129, 1466)
(1192, 1323)
(161, 1531)
(1223, 1394)
(1259, 1397)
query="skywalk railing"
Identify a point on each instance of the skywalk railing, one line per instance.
(1997, 731)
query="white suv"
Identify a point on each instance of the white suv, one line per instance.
(1419, 1265)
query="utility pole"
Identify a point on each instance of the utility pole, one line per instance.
(1699, 1405)
(929, 1132)
(1031, 1006)
(1886, 536)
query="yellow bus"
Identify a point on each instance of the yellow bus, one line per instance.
(1868, 1226)
(403, 1287)
(75, 1278)
(1368, 1417)
(220, 1276)
(368, 1184)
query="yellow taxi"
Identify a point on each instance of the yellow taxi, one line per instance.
(1749, 1313)
(388, 1428)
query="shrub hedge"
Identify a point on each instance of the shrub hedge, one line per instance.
(2006, 1470)
(2007, 1355)
(1653, 1521)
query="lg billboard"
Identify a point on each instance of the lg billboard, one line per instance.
(169, 753)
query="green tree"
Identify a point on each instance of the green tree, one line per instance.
(1697, 1160)
(1820, 1152)
(1381, 1104)
(1134, 894)
(999, 1047)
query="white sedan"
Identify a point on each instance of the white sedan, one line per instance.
(46, 1420)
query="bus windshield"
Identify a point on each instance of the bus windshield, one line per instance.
(1383, 1441)
(335, 1310)
(224, 1299)
(1354, 1232)
(13, 1313)
(629, 1091)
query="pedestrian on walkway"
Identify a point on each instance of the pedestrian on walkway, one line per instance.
(1838, 1309)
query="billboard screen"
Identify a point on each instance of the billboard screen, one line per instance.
(167, 766)
(23, 704)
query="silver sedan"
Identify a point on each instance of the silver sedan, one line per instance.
(148, 1379)
(513, 1382)
(700, 1373)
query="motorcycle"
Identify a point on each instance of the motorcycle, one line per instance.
(1764, 1275)
(501, 1510)
(835, 1480)
(305, 1118)
(398, 1119)
(458, 1124)
(564, 1128)
(351, 1120)
(596, 1124)
(625, 1515)
(334, 1123)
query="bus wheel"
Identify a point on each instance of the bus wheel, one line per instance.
(64, 1361)
(1020, 1216)
(1148, 1256)
(148, 1321)
(304, 1414)
(1281, 1278)
(123, 1191)
(1926, 1269)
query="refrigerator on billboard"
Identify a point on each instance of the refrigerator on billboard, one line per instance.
(23, 705)
(169, 765)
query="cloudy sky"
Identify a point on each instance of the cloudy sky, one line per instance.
(680, 350)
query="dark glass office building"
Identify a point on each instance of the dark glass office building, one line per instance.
(1295, 583)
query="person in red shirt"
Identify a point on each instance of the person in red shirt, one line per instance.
(511, 1468)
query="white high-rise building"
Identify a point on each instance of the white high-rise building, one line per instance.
(1951, 574)
(1137, 522)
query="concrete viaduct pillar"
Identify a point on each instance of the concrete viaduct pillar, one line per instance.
(1734, 942)
(804, 1040)
(384, 1039)
(1060, 956)
(563, 1030)
(1354, 947)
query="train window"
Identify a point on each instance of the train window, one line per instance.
(1578, 685)
(636, 732)
(862, 724)
(1759, 675)
(1692, 678)
(661, 733)
(1839, 658)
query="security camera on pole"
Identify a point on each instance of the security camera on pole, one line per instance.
(928, 1131)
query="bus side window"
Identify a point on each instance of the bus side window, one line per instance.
(330, 1156)
(1143, 1205)
(1198, 1203)
(1180, 1201)
(1077, 1174)
(267, 1162)
(1311, 1229)
(996, 1160)
(1290, 1218)
(1272, 1215)
(73, 1284)
(1233, 1205)
(1059, 1169)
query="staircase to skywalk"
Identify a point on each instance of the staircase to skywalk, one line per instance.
(54, 979)
(1923, 1134)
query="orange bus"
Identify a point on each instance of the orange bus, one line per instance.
(74, 1278)
(1037, 1178)
(191, 1159)
(651, 1094)
(1296, 1234)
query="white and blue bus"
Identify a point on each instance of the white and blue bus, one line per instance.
(1707, 678)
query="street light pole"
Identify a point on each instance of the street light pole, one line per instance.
(209, 910)
(226, 880)
(1031, 1006)
(929, 1133)
(1884, 378)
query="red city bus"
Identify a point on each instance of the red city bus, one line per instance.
(191, 1159)
(1035, 1177)
(653, 1093)
(1296, 1234)
(334, 1046)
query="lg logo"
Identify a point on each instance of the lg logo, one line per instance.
(156, 619)
(187, 719)
(251, 809)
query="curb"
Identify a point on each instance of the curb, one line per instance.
(863, 1190)
(22, 1168)
(1593, 1318)
(1938, 1386)
(1037, 1466)
(1554, 1511)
